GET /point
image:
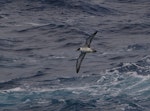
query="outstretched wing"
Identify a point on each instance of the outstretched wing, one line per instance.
(79, 61)
(89, 39)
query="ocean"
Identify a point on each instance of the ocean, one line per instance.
(38, 42)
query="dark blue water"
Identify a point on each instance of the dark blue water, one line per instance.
(38, 42)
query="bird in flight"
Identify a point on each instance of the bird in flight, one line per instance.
(85, 49)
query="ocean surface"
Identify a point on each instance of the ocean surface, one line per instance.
(38, 42)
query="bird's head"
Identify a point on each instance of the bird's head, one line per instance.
(78, 49)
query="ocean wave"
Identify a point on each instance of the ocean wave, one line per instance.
(8, 43)
(141, 67)
(137, 28)
(81, 6)
(136, 47)
(128, 1)
(65, 93)
(5, 1)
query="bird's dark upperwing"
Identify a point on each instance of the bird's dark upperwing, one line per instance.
(89, 39)
(79, 61)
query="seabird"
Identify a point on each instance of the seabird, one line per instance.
(85, 49)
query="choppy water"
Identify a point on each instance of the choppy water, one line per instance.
(38, 42)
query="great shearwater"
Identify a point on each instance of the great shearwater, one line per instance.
(85, 49)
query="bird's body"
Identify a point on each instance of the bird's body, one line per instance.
(85, 49)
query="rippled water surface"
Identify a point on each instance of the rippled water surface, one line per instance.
(38, 42)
